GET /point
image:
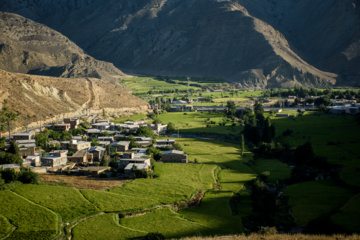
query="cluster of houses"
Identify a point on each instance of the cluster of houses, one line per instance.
(84, 154)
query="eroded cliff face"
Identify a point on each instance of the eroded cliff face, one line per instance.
(257, 43)
(30, 47)
(49, 96)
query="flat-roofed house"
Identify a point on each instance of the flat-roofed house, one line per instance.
(174, 156)
(56, 158)
(23, 136)
(165, 143)
(75, 145)
(82, 156)
(61, 127)
(131, 158)
(121, 146)
(74, 122)
(35, 161)
(98, 153)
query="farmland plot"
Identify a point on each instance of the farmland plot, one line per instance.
(31, 221)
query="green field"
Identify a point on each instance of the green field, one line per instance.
(166, 222)
(5, 226)
(332, 136)
(110, 202)
(104, 227)
(196, 122)
(278, 170)
(142, 85)
(311, 200)
(154, 189)
(136, 117)
(68, 202)
(349, 215)
(31, 220)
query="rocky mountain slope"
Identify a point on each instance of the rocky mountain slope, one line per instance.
(30, 47)
(258, 43)
(33, 95)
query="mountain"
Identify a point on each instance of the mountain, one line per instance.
(256, 43)
(30, 47)
(33, 95)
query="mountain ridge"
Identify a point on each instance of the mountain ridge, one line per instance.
(258, 44)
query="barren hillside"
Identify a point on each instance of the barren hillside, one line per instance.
(34, 95)
(258, 43)
(30, 47)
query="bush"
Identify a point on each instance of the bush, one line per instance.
(268, 231)
(103, 175)
(154, 236)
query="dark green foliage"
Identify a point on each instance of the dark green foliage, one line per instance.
(145, 131)
(178, 146)
(95, 142)
(2, 143)
(24, 176)
(2, 181)
(9, 158)
(103, 175)
(268, 209)
(170, 128)
(154, 236)
(154, 152)
(287, 132)
(105, 161)
(133, 143)
(230, 109)
(257, 128)
(14, 148)
(29, 177)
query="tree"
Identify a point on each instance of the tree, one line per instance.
(28, 176)
(95, 142)
(170, 128)
(242, 145)
(230, 108)
(14, 148)
(6, 116)
(156, 153)
(133, 143)
(178, 146)
(145, 131)
(42, 139)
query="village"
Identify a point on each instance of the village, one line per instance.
(97, 150)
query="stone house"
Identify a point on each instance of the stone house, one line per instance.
(174, 156)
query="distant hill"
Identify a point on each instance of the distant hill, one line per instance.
(33, 95)
(256, 43)
(30, 47)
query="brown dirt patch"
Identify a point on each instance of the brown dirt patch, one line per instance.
(82, 182)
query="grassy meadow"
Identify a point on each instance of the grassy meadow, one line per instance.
(68, 202)
(32, 221)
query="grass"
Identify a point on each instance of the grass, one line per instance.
(136, 117)
(166, 222)
(196, 122)
(215, 213)
(311, 200)
(155, 189)
(278, 170)
(103, 227)
(32, 221)
(5, 226)
(110, 202)
(142, 85)
(332, 136)
(349, 215)
(68, 202)
(198, 176)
